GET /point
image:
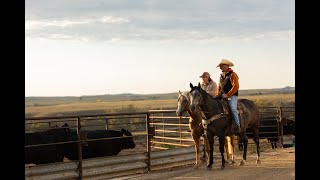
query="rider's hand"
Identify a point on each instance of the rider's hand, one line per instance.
(224, 96)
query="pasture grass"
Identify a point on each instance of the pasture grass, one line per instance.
(85, 108)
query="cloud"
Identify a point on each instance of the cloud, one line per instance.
(43, 24)
(159, 20)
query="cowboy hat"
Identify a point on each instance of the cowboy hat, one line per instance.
(205, 74)
(224, 61)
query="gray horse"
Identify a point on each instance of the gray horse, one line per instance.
(216, 122)
(197, 129)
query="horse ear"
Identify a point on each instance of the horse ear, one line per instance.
(199, 84)
(191, 86)
(179, 92)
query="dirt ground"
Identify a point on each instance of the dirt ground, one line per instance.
(275, 164)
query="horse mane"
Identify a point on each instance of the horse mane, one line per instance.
(217, 98)
(186, 93)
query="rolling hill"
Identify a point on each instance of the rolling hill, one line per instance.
(43, 101)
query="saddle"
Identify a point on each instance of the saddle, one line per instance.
(226, 112)
(240, 109)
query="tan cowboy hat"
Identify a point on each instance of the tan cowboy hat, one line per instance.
(205, 74)
(224, 61)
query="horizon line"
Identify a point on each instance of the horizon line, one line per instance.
(151, 93)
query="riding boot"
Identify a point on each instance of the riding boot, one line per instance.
(239, 128)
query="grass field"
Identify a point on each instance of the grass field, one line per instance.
(79, 108)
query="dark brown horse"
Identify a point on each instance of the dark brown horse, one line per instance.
(216, 123)
(197, 130)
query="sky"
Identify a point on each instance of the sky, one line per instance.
(96, 47)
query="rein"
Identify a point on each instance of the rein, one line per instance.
(205, 120)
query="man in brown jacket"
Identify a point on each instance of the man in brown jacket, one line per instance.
(228, 87)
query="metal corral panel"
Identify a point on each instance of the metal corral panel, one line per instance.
(98, 168)
(172, 158)
(52, 171)
(95, 168)
(112, 160)
(172, 152)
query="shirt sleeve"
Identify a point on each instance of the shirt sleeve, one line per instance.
(212, 89)
(235, 84)
(219, 88)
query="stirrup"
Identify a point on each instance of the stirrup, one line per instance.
(239, 128)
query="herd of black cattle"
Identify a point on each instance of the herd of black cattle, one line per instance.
(90, 149)
(108, 147)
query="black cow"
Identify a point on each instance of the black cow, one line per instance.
(47, 153)
(99, 148)
(268, 129)
(289, 127)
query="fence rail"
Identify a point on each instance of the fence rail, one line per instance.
(167, 143)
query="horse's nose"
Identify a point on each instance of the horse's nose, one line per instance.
(178, 113)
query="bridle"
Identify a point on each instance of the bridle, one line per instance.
(205, 120)
(184, 95)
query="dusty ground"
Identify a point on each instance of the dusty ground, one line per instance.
(275, 164)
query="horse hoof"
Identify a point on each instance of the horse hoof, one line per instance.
(258, 161)
(241, 163)
(233, 162)
(209, 168)
(222, 167)
(196, 167)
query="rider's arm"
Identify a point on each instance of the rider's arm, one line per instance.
(213, 89)
(235, 84)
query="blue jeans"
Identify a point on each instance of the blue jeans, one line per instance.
(232, 101)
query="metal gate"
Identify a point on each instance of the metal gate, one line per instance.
(163, 139)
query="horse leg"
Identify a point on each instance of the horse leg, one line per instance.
(203, 158)
(240, 144)
(275, 142)
(256, 141)
(229, 148)
(206, 151)
(222, 140)
(196, 146)
(271, 143)
(209, 136)
(226, 147)
(233, 147)
(244, 140)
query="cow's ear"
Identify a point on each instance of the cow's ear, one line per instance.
(191, 85)
(123, 130)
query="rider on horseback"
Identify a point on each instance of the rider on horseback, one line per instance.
(208, 84)
(228, 87)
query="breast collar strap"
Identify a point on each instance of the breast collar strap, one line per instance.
(206, 121)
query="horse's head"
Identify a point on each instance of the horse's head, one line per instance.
(183, 103)
(196, 97)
